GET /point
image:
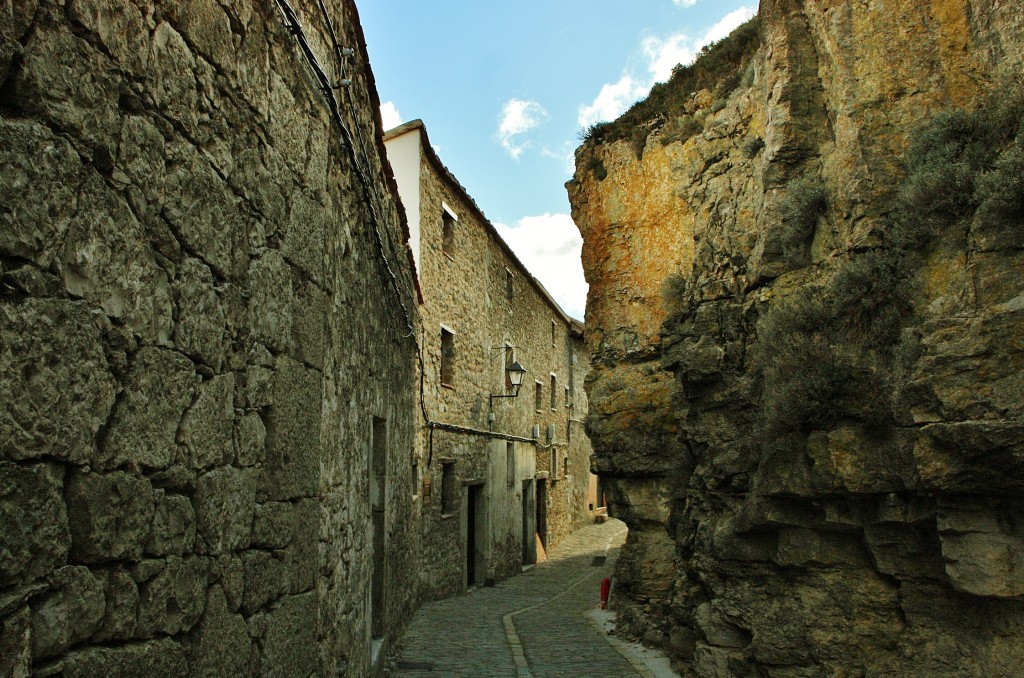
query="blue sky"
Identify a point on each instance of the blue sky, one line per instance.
(504, 89)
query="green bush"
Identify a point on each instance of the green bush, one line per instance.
(751, 147)
(961, 163)
(1000, 192)
(805, 200)
(596, 166)
(680, 129)
(867, 296)
(824, 354)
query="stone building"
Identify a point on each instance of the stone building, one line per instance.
(505, 471)
(207, 377)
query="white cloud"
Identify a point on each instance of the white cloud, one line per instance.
(613, 99)
(389, 115)
(549, 245)
(518, 117)
(660, 56)
(663, 55)
(728, 24)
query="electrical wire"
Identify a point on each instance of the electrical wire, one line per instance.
(371, 198)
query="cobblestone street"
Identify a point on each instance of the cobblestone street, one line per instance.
(534, 624)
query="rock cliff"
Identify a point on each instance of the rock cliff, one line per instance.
(804, 255)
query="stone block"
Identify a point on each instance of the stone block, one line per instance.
(849, 459)
(293, 424)
(16, 644)
(202, 211)
(172, 600)
(122, 603)
(221, 644)
(69, 614)
(17, 21)
(301, 556)
(34, 533)
(303, 243)
(250, 440)
(310, 328)
(56, 378)
(717, 630)
(110, 515)
(289, 645)
(140, 161)
(39, 173)
(271, 301)
(905, 550)
(201, 327)
(798, 546)
(273, 524)
(265, 579)
(171, 80)
(107, 261)
(174, 526)
(259, 386)
(66, 80)
(225, 501)
(256, 175)
(163, 657)
(204, 24)
(982, 549)
(231, 573)
(158, 388)
(972, 457)
(119, 27)
(208, 428)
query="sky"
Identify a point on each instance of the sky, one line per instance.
(505, 88)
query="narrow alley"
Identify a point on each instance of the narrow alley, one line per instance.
(544, 622)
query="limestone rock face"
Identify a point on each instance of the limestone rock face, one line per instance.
(813, 428)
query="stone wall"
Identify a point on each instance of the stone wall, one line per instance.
(466, 292)
(197, 331)
(875, 536)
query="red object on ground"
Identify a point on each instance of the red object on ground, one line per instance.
(606, 585)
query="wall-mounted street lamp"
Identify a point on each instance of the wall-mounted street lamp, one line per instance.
(516, 372)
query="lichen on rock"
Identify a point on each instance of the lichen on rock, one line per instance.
(807, 394)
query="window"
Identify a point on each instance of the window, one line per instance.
(510, 290)
(448, 232)
(448, 487)
(447, 357)
(415, 478)
(538, 395)
(554, 392)
(554, 332)
(554, 464)
(510, 462)
(568, 398)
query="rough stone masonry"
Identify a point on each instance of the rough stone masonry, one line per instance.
(198, 330)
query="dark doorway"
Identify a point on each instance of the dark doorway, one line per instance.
(472, 526)
(378, 492)
(529, 525)
(542, 513)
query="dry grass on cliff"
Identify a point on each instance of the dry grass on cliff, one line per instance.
(963, 163)
(823, 353)
(833, 353)
(719, 67)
